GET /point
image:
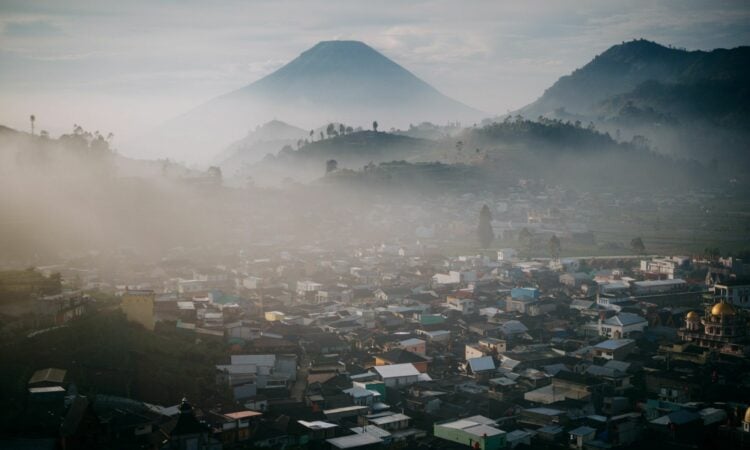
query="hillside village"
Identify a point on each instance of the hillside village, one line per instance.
(395, 346)
(322, 250)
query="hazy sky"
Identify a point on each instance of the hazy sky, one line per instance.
(129, 65)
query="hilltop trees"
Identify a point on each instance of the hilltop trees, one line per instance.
(214, 172)
(484, 231)
(525, 238)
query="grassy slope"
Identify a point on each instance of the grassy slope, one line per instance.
(103, 353)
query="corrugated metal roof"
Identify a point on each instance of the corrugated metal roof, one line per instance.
(484, 430)
(482, 363)
(49, 375)
(258, 360)
(624, 319)
(397, 370)
(353, 441)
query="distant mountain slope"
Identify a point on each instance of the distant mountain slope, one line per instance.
(624, 67)
(352, 77)
(689, 104)
(345, 81)
(267, 138)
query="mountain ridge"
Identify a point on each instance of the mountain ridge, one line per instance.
(622, 67)
(334, 81)
(688, 104)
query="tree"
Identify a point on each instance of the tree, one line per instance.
(33, 119)
(554, 246)
(330, 129)
(637, 246)
(342, 129)
(214, 172)
(525, 237)
(331, 165)
(640, 142)
(312, 134)
(375, 126)
(484, 231)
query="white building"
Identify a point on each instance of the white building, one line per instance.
(303, 287)
(664, 266)
(466, 306)
(506, 254)
(622, 325)
(452, 277)
(736, 293)
(247, 373)
(396, 375)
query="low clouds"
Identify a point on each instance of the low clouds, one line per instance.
(33, 29)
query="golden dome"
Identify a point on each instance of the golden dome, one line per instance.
(747, 416)
(692, 315)
(722, 308)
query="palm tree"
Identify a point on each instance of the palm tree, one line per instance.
(33, 119)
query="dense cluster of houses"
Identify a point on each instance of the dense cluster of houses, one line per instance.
(392, 346)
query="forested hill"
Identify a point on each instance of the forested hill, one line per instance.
(501, 154)
(624, 67)
(689, 104)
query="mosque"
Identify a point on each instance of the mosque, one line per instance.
(723, 328)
